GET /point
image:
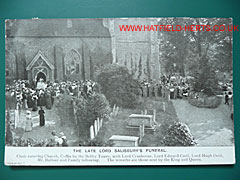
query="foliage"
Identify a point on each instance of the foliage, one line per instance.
(29, 142)
(178, 134)
(97, 88)
(89, 109)
(205, 101)
(185, 48)
(205, 78)
(65, 108)
(118, 85)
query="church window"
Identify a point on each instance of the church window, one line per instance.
(72, 62)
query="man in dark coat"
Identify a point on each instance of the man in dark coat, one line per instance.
(41, 116)
(226, 99)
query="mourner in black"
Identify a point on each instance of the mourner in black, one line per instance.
(226, 99)
(41, 116)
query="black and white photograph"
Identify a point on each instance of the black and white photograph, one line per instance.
(119, 82)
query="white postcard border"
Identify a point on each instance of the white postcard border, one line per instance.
(118, 156)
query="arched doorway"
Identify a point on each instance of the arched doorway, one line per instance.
(40, 67)
(41, 75)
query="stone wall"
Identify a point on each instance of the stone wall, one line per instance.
(96, 41)
(137, 50)
(55, 50)
(25, 38)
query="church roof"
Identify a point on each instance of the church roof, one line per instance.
(56, 27)
(35, 59)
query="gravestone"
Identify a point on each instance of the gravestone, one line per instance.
(17, 118)
(95, 128)
(28, 122)
(114, 108)
(141, 132)
(91, 133)
(101, 122)
(145, 111)
(164, 107)
(12, 117)
(154, 115)
(98, 124)
(139, 119)
(124, 141)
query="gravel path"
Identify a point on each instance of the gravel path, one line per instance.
(210, 127)
(52, 122)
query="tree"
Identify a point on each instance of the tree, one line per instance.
(118, 85)
(174, 46)
(198, 53)
(205, 79)
(183, 47)
(89, 109)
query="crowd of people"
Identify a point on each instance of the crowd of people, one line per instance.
(28, 97)
(42, 93)
(173, 86)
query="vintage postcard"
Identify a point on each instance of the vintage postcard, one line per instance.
(119, 91)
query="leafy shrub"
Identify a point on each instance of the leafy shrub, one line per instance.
(118, 85)
(89, 109)
(205, 79)
(29, 142)
(65, 109)
(205, 101)
(178, 134)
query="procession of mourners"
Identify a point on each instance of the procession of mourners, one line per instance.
(168, 86)
(29, 97)
(175, 86)
(38, 97)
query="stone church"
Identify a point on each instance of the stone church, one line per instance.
(72, 49)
